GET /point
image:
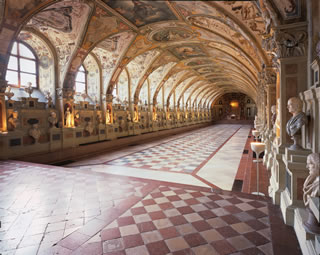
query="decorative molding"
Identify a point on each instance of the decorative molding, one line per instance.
(291, 43)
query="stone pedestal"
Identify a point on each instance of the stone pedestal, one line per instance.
(309, 243)
(130, 128)
(278, 170)
(69, 137)
(136, 128)
(110, 134)
(295, 175)
(55, 138)
(101, 130)
(155, 126)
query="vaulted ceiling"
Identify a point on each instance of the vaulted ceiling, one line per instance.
(207, 48)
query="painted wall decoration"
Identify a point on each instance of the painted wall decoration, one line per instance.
(188, 51)
(157, 76)
(109, 53)
(61, 23)
(143, 96)
(183, 85)
(198, 62)
(171, 35)
(289, 9)
(205, 70)
(93, 78)
(122, 84)
(139, 66)
(164, 59)
(230, 31)
(101, 25)
(19, 8)
(141, 13)
(58, 18)
(171, 82)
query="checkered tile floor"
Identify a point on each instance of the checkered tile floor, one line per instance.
(173, 220)
(184, 154)
(47, 210)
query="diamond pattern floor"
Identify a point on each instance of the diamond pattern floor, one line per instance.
(53, 210)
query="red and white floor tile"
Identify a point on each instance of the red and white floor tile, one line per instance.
(55, 210)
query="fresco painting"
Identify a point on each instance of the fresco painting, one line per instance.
(141, 13)
(61, 24)
(289, 9)
(188, 51)
(19, 8)
(171, 35)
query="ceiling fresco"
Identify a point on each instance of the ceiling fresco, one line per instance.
(289, 9)
(141, 13)
(197, 49)
(61, 23)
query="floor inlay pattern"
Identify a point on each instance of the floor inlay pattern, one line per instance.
(48, 210)
(184, 154)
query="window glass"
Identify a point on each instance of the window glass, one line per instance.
(25, 52)
(25, 78)
(81, 77)
(13, 63)
(12, 77)
(27, 65)
(81, 82)
(14, 49)
(22, 66)
(80, 87)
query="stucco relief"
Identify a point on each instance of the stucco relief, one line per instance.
(61, 23)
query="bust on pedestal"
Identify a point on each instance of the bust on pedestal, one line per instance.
(297, 120)
(311, 189)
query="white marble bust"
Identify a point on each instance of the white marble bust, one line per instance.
(311, 185)
(297, 120)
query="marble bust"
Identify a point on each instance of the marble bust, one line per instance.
(35, 132)
(311, 189)
(297, 120)
(52, 119)
(311, 186)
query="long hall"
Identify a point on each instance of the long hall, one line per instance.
(129, 202)
(159, 127)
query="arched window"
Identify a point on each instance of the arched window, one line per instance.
(81, 80)
(22, 66)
